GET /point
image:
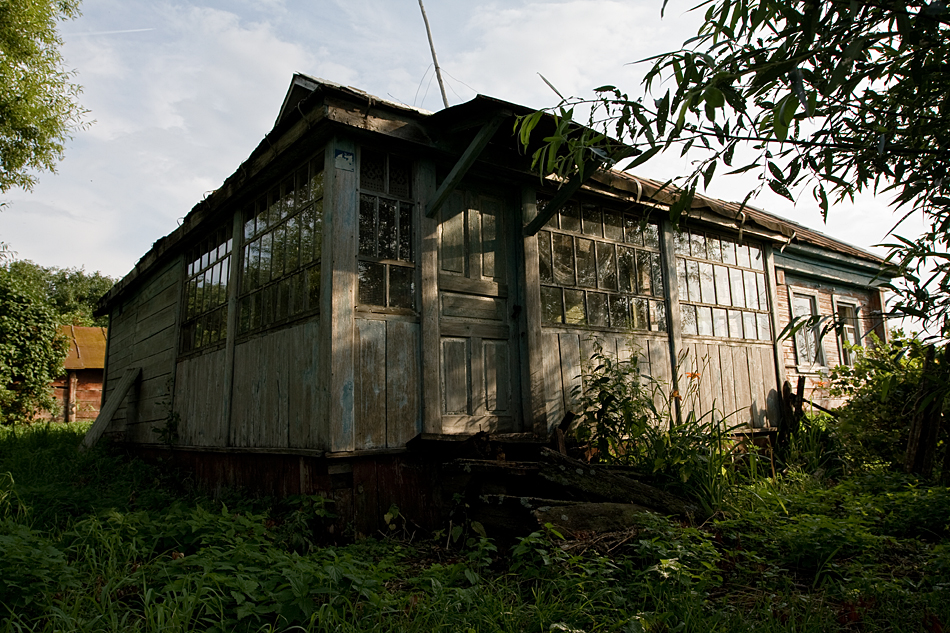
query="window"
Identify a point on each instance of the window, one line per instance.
(807, 341)
(722, 287)
(600, 267)
(848, 334)
(386, 270)
(283, 233)
(205, 318)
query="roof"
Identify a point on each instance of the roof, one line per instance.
(87, 347)
(308, 102)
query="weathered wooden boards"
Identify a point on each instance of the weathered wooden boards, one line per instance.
(112, 405)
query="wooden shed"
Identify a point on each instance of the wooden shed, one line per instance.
(375, 278)
(78, 392)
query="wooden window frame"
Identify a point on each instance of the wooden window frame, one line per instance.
(846, 357)
(821, 362)
(202, 259)
(654, 312)
(389, 264)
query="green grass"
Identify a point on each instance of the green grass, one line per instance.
(99, 542)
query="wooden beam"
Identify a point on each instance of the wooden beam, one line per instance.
(561, 197)
(464, 163)
(112, 405)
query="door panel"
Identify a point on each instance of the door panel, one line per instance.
(479, 349)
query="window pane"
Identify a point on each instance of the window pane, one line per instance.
(574, 307)
(551, 305)
(721, 273)
(704, 321)
(681, 281)
(287, 202)
(681, 243)
(728, 252)
(638, 314)
(597, 308)
(626, 267)
(303, 186)
(689, 320)
(371, 284)
(613, 225)
(618, 311)
(571, 217)
(692, 273)
(305, 226)
(293, 244)
(405, 232)
(707, 283)
(763, 292)
(751, 291)
(489, 242)
(720, 324)
(249, 223)
(283, 299)
(368, 226)
(742, 256)
(386, 236)
(656, 274)
(644, 279)
(316, 180)
(545, 269)
(714, 248)
(268, 305)
(697, 245)
(764, 327)
(313, 283)
(748, 319)
(632, 234)
(651, 236)
(658, 316)
(593, 220)
(563, 259)
(755, 254)
(278, 247)
(402, 287)
(735, 324)
(317, 228)
(606, 266)
(586, 268)
(738, 288)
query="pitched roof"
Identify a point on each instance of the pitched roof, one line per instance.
(87, 347)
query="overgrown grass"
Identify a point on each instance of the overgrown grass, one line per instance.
(99, 542)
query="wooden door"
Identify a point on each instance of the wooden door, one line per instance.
(478, 353)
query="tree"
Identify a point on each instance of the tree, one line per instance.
(38, 100)
(31, 353)
(831, 98)
(72, 293)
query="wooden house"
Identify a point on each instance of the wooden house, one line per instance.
(375, 277)
(78, 392)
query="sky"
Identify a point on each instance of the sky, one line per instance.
(180, 93)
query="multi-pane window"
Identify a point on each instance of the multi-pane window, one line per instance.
(808, 350)
(205, 318)
(601, 267)
(722, 287)
(283, 231)
(848, 334)
(386, 270)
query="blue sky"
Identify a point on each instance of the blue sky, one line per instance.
(181, 92)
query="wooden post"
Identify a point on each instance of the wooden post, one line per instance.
(69, 399)
(429, 292)
(112, 405)
(535, 411)
(338, 293)
(674, 317)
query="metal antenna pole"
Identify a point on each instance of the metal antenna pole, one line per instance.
(435, 60)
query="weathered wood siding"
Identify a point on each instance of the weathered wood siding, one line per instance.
(276, 390)
(566, 351)
(388, 383)
(201, 400)
(735, 381)
(143, 333)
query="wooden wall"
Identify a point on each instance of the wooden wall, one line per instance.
(144, 333)
(565, 352)
(201, 400)
(735, 380)
(274, 402)
(388, 383)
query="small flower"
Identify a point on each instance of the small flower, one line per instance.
(693, 375)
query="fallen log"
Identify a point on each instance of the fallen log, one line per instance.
(594, 483)
(576, 520)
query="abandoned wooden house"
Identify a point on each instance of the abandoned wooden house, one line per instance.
(375, 278)
(78, 392)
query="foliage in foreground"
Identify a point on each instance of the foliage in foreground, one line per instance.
(98, 542)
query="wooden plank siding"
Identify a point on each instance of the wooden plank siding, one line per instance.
(144, 333)
(388, 383)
